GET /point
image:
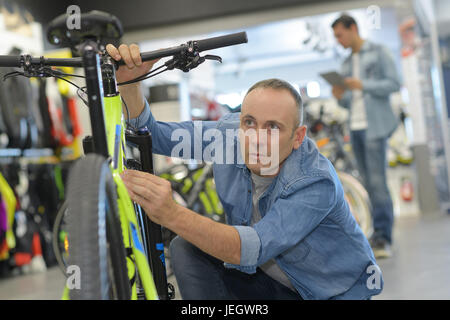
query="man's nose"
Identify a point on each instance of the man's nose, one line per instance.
(260, 139)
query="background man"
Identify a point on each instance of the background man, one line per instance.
(371, 76)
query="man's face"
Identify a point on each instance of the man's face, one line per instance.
(268, 127)
(344, 36)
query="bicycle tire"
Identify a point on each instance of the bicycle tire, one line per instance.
(55, 237)
(363, 208)
(94, 232)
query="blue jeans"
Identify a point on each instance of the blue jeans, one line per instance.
(203, 277)
(371, 160)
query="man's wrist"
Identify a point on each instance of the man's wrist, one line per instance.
(175, 217)
(129, 86)
(131, 90)
(134, 99)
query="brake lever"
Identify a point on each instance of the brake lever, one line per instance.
(212, 57)
(188, 63)
(35, 73)
(199, 60)
(12, 74)
(32, 71)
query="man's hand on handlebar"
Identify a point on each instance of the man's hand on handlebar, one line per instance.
(338, 92)
(131, 55)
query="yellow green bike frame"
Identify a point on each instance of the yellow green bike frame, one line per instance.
(115, 124)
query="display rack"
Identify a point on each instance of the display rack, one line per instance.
(43, 155)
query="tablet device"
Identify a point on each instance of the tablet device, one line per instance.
(334, 78)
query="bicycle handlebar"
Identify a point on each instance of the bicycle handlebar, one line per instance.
(17, 61)
(9, 61)
(222, 41)
(202, 45)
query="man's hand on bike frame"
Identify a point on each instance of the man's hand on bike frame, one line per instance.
(152, 193)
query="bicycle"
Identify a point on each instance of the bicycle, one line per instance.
(194, 189)
(331, 142)
(116, 247)
(197, 189)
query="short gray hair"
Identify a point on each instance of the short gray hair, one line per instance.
(278, 84)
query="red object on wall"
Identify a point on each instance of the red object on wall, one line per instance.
(22, 258)
(36, 248)
(407, 190)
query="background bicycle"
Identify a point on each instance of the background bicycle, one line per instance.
(326, 123)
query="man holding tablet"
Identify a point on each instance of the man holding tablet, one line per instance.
(370, 76)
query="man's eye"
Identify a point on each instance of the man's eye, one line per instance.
(273, 126)
(248, 122)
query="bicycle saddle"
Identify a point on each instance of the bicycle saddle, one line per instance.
(101, 27)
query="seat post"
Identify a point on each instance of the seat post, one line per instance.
(94, 85)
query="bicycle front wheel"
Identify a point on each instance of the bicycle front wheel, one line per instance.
(358, 201)
(59, 237)
(94, 232)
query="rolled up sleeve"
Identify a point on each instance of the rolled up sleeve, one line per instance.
(143, 118)
(250, 250)
(287, 222)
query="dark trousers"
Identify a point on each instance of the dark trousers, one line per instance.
(371, 160)
(203, 277)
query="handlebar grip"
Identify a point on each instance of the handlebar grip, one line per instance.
(222, 41)
(202, 45)
(10, 61)
(161, 53)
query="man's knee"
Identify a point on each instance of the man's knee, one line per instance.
(184, 253)
(179, 249)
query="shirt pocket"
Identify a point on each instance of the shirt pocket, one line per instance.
(297, 253)
(371, 67)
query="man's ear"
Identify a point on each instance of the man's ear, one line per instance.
(299, 136)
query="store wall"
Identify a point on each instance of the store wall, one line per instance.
(288, 59)
(299, 73)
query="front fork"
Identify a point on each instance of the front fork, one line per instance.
(152, 234)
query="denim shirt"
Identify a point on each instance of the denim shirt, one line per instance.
(379, 78)
(306, 224)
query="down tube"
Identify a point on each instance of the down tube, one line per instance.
(128, 216)
(116, 138)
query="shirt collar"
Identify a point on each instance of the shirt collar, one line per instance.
(365, 46)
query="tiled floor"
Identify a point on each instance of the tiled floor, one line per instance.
(419, 268)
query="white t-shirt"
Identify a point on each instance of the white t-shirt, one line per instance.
(358, 119)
